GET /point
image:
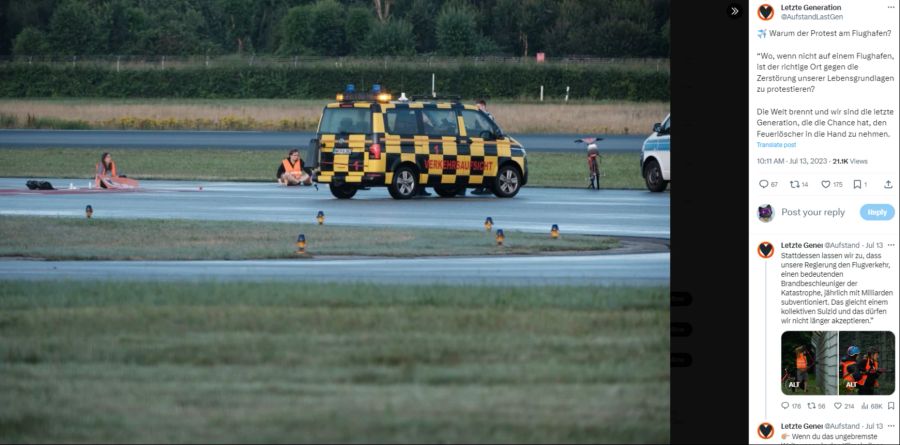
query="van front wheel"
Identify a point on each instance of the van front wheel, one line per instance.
(508, 182)
(653, 176)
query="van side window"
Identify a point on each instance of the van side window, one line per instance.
(401, 121)
(478, 125)
(439, 122)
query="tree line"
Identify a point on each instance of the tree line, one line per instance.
(600, 28)
(508, 81)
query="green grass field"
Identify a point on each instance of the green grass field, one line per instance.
(67, 238)
(545, 169)
(240, 362)
(618, 170)
(522, 115)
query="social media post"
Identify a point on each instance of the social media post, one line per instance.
(809, 280)
(823, 233)
(826, 84)
(820, 307)
(828, 283)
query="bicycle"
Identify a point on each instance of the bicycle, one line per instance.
(593, 160)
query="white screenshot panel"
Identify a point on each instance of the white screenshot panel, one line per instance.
(823, 240)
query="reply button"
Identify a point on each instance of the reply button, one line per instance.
(877, 212)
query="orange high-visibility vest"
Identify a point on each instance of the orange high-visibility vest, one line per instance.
(872, 365)
(848, 376)
(102, 171)
(296, 169)
(801, 361)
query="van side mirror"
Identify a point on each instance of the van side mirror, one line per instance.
(656, 127)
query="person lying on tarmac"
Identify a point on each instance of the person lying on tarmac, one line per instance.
(291, 172)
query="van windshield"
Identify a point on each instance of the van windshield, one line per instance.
(346, 120)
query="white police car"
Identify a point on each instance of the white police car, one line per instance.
(655, 166)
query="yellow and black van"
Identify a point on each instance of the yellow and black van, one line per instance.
(368, 139)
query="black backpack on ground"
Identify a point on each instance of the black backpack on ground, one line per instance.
(39, 185)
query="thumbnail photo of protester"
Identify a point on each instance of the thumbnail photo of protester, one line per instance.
(808, 360)
(867, 363)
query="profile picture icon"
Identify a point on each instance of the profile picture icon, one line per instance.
(765, 12)
(765, 430)
(765, 213)
(765, 250)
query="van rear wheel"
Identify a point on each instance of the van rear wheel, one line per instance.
(343, 191)
(404, 183)
(653, 176)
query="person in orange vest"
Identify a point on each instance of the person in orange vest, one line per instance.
(291, 172)
(852, 369)
(800, 357)
(871, 371)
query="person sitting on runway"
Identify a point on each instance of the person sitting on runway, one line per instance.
(107, 177)
(291, 172)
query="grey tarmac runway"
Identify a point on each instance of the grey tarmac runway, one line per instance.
(651, 269)
(626, 213)
(120, 139)
(633, 213)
